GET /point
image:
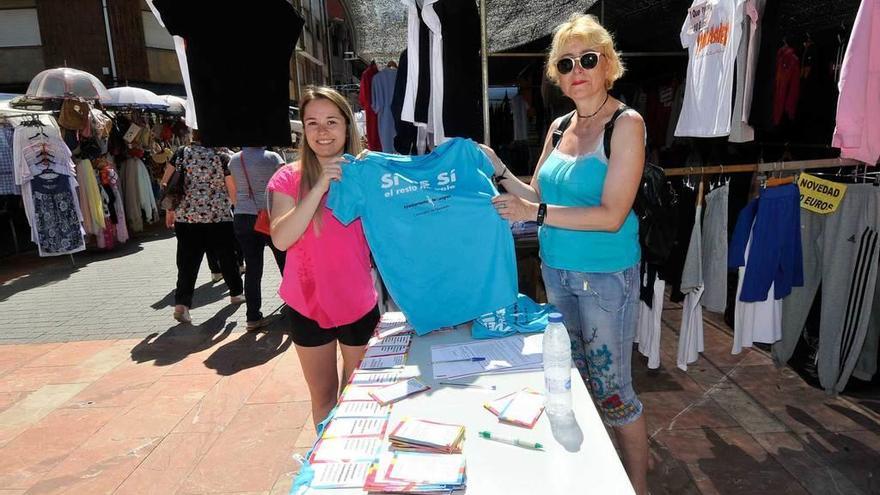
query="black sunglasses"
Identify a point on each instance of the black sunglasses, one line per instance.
(588, 61)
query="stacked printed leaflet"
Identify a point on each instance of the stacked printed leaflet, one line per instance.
(353, 454)
(516, 353)
(420, 435)
(406, 472)
(521, 408)
(389, 345)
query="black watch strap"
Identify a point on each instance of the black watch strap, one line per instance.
(542, 212)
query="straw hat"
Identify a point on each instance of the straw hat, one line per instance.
(162, 156)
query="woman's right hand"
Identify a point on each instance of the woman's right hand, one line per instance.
(329, 172)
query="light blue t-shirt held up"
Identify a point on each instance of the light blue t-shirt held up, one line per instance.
(444, 253)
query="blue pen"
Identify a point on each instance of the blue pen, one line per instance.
(466, 360)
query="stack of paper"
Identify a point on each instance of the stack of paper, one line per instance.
(386, 352)
(516, 353)
(521, 408)
(340, 474)
(344, 449)
(405, 472)
(419, 435)
(392, 323)
(397, 391)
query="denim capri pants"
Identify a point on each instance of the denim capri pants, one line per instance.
(600, 311)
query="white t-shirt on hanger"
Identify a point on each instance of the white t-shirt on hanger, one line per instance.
(759, 321)
(407, 113)
(435, 110)
(180, 49)
(711, 33)
(650, 323)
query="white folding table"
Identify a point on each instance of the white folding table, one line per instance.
(578, 456)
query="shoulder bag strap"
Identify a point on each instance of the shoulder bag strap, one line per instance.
(563, 125)
(609, 129)
(246, 177)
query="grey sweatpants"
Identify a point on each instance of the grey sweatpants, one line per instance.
(841, 253)
(715, 250)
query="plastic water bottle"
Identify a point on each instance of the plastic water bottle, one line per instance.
(557, 367)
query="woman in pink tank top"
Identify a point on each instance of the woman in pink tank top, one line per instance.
(327, 281)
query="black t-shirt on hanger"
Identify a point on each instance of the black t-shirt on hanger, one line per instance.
(238, 55)
(405, 140)
(462, 72)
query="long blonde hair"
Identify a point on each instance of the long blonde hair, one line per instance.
(310, 168)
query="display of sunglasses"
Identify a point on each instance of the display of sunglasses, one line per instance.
(588, 61)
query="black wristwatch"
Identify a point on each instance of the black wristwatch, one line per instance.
(542, 212)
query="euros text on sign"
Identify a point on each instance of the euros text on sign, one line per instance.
(820, 195)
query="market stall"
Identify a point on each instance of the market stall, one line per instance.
(105, 141)
(752, 109)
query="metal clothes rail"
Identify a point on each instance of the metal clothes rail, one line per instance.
(763, 167)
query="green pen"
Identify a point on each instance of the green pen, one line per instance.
(511, 441)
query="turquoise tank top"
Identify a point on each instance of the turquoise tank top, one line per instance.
(567, 180)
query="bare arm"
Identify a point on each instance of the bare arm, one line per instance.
(531, 191)
(231, 188)
(169, 170)
(291, 219)
(621, 185)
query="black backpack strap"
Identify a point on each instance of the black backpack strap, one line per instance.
(609, 129)
(563, 125)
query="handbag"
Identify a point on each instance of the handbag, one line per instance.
(176, 188)
(263, 224)
(74, 115)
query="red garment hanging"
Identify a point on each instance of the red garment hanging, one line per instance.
(366, 100)
(788, 77)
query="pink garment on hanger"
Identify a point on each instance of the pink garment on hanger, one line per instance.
(858, 107)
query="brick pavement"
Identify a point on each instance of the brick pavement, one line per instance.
(126, 293)
(104, 393)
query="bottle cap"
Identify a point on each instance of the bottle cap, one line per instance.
(555, 317)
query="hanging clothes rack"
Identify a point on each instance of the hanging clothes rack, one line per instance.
(763, 167)
(29, 118)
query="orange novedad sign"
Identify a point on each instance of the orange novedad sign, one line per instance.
(718, 34)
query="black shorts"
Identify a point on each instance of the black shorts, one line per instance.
(307, 333)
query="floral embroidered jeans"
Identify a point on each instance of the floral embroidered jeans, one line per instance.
(601, 312)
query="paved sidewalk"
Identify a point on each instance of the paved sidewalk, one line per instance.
(125, 293)
(118, 399)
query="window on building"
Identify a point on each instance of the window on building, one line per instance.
(19, 27)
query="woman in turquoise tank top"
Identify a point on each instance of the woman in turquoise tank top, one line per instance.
(588, 233)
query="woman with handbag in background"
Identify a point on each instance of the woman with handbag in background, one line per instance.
(251, 169)
(198, 207)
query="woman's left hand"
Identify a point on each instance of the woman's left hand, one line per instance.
(514, 208)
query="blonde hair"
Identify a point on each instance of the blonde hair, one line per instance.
(585, 27)
(310, 168)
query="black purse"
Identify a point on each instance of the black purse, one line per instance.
(176, 188)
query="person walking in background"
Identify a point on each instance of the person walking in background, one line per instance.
(213, 261)
(251, 169)
(328, 284)
(202, 221)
